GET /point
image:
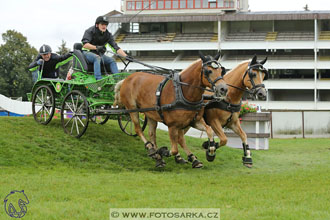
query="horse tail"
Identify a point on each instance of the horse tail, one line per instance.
(117, 94)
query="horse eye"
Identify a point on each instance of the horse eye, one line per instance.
(207, 72)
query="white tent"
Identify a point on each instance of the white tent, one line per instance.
(14, 106)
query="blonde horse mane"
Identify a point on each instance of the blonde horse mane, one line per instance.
(232, 73)
(190, 66)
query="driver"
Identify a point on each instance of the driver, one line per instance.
(94, 40)
(48, 63)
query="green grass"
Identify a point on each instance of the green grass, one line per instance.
(67, 178)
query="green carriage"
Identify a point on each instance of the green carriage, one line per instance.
(81, 99)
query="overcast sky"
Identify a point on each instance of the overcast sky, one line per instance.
(50, 21)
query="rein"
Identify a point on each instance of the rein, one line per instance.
(254, 86)
(158, 70)
(169, 72)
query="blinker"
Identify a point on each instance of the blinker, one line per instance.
(214, 65)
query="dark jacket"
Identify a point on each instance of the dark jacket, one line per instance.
(97, 38)
(50, 67)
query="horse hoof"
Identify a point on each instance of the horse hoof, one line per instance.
(160, 163)
(164, 152)
(248, 165)
(197, 164)
(209, 157)
(247, 161)
(151, 152)
(180, 160)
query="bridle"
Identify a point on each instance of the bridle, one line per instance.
(206, 72)
(252, 75)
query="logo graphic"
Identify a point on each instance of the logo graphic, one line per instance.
(58, 87)
(15, 204)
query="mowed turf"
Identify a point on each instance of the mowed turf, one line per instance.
(68, 178)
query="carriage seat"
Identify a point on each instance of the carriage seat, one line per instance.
(80, 62)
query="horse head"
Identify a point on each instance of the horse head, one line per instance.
(212, 74)
(256, 73)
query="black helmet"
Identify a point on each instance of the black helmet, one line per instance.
(44, 49)
(101, 19)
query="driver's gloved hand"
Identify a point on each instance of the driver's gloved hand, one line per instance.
(40, 61)
(101, 49)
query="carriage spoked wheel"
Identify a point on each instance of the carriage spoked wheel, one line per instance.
(100, 119)
(43, 105)
(75, 113)
(127, 126)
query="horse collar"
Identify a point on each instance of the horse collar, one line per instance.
(180, 101)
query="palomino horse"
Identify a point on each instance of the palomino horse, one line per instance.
(175, 101)
(246, 77)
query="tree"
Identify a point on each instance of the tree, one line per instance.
(15, 56)
(65, 68)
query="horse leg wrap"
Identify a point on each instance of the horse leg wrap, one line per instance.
(207, 144)
(164, 152)
(160, 163)
(247, 160)
(179, 159)
(151, 151)
(247, 155)
(195, 163)
(246, 149)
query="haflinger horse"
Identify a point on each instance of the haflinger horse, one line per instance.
(174, 100)
(248, 76)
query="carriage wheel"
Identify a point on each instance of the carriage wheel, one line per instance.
(100, 119)
(75, 113)
(43, 105)
(127, 126)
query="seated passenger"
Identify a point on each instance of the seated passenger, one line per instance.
(48, 63)
(94, 40)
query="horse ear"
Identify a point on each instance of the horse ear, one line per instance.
(264, 61)
(201, 55)
(217, 56)
(254, 60)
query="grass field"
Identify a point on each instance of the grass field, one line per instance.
(66, 178)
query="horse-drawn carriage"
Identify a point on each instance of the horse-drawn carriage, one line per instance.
(176, 99)
(80, 99)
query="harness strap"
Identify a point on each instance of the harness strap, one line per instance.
(180, 101)
(158, 94)
(223, 105)
(228, 120)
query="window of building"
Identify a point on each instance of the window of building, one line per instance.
(175, 3)
(130, 5)
(167, 4)
(146, 4)
(153, 4)
(183, 4)
(190, 3)
(138, 5)
(198, 4)
(205, 3)
(161, 4)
